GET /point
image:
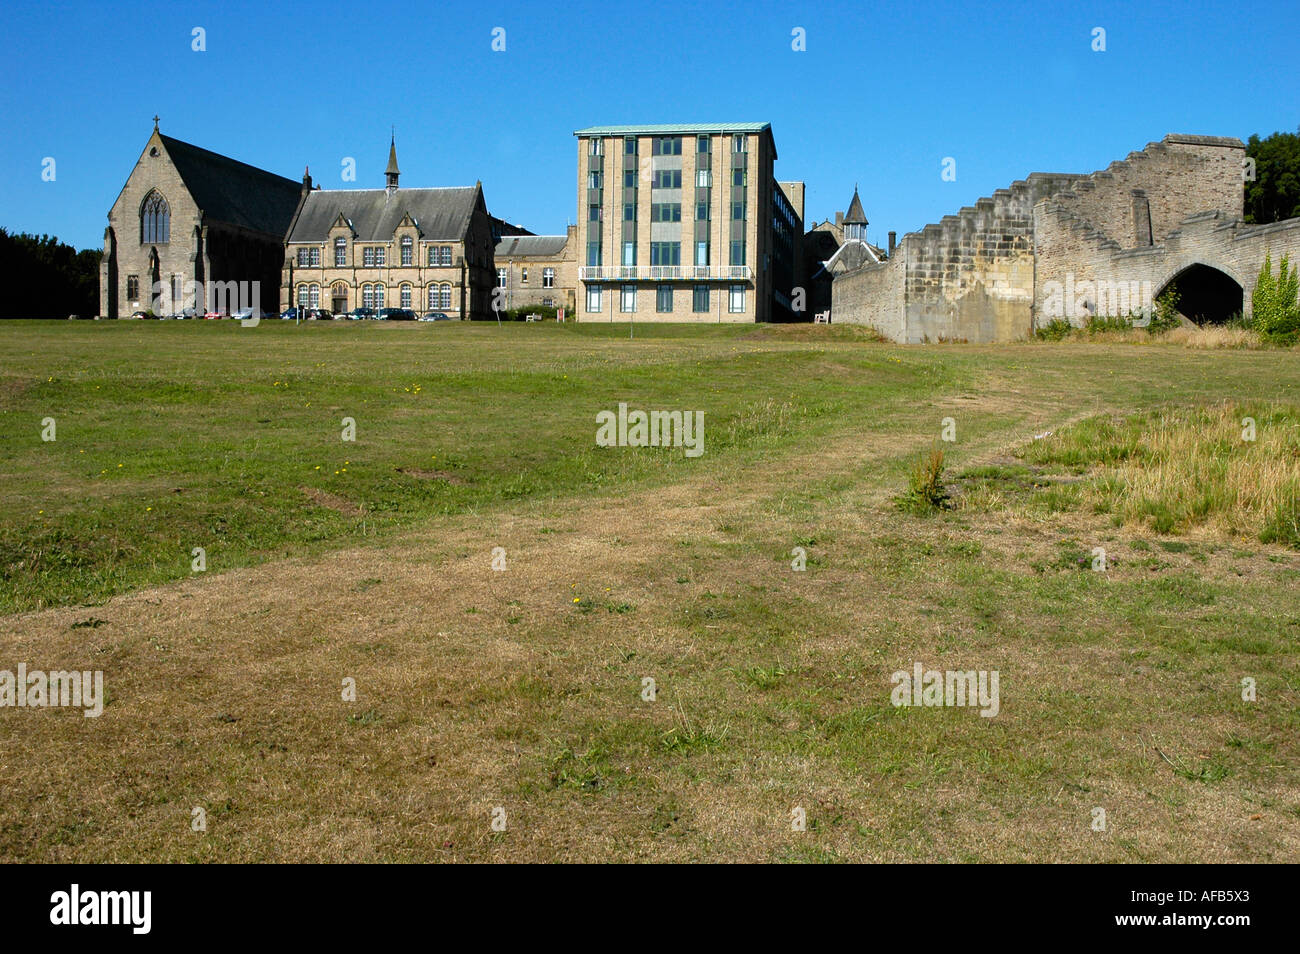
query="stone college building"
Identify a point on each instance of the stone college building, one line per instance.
(422, 249)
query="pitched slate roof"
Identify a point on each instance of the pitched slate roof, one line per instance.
(522, 246)
(374, 214)
(234, 192)
(855, 215)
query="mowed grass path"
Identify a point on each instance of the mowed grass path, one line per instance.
(523, 689)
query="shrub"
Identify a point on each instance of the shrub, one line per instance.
(1100, 324)
(1055, 330)
(1275, 313)
(1165, 317)
(545, 312)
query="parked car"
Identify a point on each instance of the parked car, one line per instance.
(289, 314)
(139, 314)
(361, 314)
(320, 314)
(245, 314)
(436, 316)
(396, 314)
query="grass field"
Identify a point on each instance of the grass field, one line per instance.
(523, 689)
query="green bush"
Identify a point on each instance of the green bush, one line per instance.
(1097, 324)
(1275, 313)
(545, 312)
(1165, 317)
(1057, 329)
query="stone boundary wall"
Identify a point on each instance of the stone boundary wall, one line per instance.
(1096, 275)
(873, 295)
(980, 275)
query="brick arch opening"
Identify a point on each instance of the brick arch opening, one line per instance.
(1206, 295)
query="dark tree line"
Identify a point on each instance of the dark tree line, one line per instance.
(43, 278)
(1275, 193)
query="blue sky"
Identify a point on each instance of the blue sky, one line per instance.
(882, 94)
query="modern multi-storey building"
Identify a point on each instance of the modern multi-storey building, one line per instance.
(423, 249)
(685, 223)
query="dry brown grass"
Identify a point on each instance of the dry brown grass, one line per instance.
(1208, 337)
(521, 689)
(1213, 337)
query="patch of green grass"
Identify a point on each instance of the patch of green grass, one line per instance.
(175, 435)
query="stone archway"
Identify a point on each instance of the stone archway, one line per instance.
(1206, 295)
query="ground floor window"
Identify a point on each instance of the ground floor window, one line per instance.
(406, 296)
(627, 301)
(440, 296)
(132, 287)
(372, 296)
(700, 299)
(593, 299)
(737, 303)
(664, 298)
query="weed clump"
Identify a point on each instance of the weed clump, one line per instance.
(926, 493)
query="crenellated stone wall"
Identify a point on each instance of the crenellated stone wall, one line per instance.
(986, 273)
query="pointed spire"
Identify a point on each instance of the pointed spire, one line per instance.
(392, 169)
(855, 215)
(392, 172)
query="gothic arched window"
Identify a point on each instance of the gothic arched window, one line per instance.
(155, 219)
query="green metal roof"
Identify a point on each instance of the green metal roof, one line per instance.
(673, 129)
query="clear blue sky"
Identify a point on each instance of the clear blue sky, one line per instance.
(881, 95)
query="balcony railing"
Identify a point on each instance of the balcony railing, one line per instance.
(664, 273)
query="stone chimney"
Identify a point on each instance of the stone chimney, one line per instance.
(306, 180)
(839, 220)
(892, 239)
